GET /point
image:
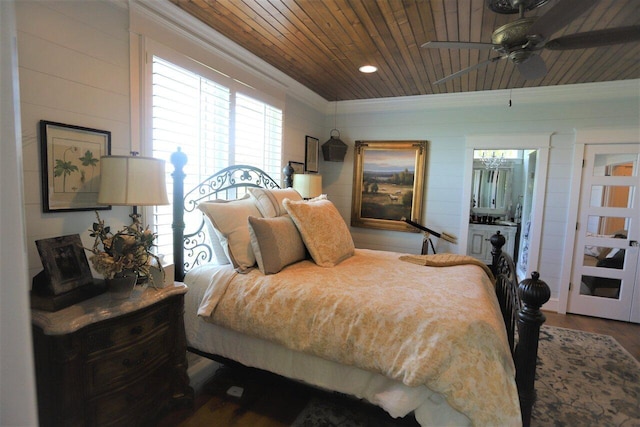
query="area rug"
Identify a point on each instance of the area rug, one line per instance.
(583, 379)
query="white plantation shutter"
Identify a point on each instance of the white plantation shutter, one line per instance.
(214, 125)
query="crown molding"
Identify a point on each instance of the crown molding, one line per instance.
(623, 89)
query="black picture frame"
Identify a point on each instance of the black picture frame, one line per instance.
(65, 265)
(311, 154)
(298, 167)
(70, 166)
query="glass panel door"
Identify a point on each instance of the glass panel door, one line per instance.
(604, 276)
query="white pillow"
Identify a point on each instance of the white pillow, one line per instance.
(229, 220)
(219, 255)
(323, 230)
(269, 202)
(276, 243)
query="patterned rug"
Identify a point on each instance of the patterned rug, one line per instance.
(583, 379)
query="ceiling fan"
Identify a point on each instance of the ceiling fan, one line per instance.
(522, 40)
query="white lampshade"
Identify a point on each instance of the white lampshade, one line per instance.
(132, 181)
(308, 185)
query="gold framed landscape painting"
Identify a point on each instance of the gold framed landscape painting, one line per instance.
(70, 163)
(388, 184)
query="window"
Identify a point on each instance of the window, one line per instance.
(214, 124)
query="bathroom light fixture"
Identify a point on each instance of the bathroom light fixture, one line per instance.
(492, 162)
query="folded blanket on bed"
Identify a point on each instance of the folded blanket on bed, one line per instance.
(439, 327)
(447, 260)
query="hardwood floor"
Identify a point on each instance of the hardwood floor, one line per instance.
(272, 401)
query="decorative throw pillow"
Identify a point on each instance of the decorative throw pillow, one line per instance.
(323, 230)
(269, 202)
(219, 255)
(229, 220)
(276, 243)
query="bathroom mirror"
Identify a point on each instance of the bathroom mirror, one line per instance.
(491, 190)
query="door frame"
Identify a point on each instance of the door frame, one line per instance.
(516, 141)
(621, 135)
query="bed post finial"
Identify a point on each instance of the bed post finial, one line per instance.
(497, 242)
(179, 160)
(288, 175)
(533, 294)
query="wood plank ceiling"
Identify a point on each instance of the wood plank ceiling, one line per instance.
(322, 43)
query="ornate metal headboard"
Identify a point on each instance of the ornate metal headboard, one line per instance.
(229, 183)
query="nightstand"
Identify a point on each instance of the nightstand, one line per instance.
(101, 363)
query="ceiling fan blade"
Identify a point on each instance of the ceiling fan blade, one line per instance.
(457, 45)
(558, 16)
(596, 38)
(466, 70)
(533, 68)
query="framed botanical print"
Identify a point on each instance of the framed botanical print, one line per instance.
(388, 184)
(70, 163)
(311, 153)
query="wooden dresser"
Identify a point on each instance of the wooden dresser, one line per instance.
(102, 362)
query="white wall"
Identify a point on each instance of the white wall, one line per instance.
(74, 69)
(17, 380)
(446, 121)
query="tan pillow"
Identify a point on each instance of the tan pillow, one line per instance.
(269, 202)
(323, 230)
(276, 243)
(229, 220)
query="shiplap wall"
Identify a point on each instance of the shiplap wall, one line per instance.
(74, 69)
(445, 121)
(74, 59)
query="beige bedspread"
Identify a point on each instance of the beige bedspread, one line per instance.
(437, 326)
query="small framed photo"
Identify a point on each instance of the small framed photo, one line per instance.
(311, 152)
(65, 264)
(298, 167)
(70, 163)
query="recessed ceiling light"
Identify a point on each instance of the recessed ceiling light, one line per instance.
(368, 69)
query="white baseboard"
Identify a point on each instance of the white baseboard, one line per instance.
(551, 305)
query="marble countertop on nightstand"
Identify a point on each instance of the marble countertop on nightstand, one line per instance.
(98, 308)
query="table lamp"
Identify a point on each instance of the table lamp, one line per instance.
(132, 181)
(308, 185)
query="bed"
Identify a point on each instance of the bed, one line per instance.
(435, 335)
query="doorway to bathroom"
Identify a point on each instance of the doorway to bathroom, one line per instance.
(505, 196)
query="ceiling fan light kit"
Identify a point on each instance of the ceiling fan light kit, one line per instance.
(521, 40)
(513, 6)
